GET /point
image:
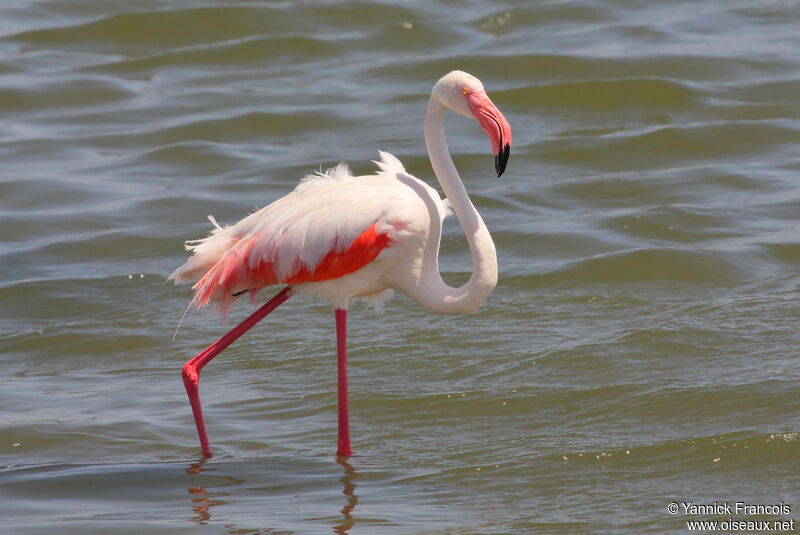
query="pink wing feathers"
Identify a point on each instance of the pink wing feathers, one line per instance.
(332, 224)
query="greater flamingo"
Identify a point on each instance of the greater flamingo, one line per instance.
(343, 238)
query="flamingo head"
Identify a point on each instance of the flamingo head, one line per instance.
(464, 94)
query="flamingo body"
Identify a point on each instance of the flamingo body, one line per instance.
(316, 240)
(345, 238)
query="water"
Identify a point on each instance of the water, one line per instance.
(640, 348)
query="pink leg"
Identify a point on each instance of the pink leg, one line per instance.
(191, 370)
(341, 361)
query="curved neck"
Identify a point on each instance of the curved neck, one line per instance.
(437, 294)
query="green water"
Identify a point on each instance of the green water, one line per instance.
(640, 347)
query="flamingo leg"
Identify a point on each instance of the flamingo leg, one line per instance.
(343, 449)
(191, 370)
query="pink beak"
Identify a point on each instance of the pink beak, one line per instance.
(495, 126)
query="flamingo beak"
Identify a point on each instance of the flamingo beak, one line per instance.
(495, 126)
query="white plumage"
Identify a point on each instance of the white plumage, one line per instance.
(325, 212)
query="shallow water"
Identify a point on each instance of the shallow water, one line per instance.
(640, 348)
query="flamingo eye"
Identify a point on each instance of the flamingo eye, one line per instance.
(465, 91)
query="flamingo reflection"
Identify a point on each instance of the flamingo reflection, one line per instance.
(203, 501)
(352, 500)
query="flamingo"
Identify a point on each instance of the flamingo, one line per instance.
(344, 238)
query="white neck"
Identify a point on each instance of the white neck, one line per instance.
(435, 293)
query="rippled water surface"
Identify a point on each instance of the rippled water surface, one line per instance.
(641, 346)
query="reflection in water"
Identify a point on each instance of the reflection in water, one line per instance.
(352, 499)
(203, 501)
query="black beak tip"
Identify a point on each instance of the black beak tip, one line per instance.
(501, 159)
